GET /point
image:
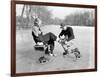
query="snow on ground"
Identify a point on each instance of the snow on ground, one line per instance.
(26, 56)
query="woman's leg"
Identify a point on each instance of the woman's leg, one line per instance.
(53, 37)
(50, 38)
(52, 44)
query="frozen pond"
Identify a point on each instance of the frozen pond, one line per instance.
(26, 56)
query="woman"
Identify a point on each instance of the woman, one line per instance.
(38, 36)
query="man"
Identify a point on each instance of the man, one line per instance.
(39, 38)
(66, 36)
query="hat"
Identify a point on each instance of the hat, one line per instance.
(34, 15)
(62, 25)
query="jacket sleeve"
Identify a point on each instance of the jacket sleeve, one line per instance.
(61, 33)
(71, 34)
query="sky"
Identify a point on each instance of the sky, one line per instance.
(62, 12)
(57, 12)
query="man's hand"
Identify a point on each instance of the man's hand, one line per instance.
(61, 41)
(62, 37)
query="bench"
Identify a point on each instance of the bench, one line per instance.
(40, 47)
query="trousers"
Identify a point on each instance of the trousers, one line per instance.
(48, 38)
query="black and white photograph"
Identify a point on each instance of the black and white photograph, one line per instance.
(54, 38)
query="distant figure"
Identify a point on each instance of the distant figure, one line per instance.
(67, 36)
(39, 38)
